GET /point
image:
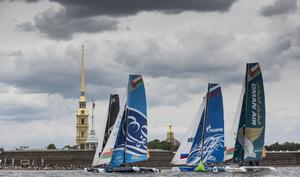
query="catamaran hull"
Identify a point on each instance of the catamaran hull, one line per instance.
(94, 170)
(193, 169)
(183, 169)
(122, 170)
(243, 169)
(132, 170)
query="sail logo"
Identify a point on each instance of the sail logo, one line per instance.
(213, 130)
(254, 103)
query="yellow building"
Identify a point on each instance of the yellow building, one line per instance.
(171, 138)
(82, 125)
(170, 135)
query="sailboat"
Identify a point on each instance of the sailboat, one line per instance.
(249, 125)
(113, 110)
(127, 143)
(204, 141)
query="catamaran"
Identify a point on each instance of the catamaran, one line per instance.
(203, 147)
(249, 125)
(127, 143)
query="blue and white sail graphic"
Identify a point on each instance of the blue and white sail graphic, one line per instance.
(214, 126)
(194, 156)
(136, 144)
(131, 142)
(181, 156)
(118, 150)
(208, 142)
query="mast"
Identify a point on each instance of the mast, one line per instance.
(93, 115)
(82, 72)
(245, 116)
(126, 132)
(204, 122)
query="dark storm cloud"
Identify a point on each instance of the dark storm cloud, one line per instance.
(95, 15)
(57, 25)
(29, 1)
(78, 8)
(279, 7)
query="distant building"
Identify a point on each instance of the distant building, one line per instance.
(82, 125)
(22, 148)
(171, 138)
(92, 140)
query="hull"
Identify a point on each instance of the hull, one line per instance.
(131, 170)
(122, 170)
(192, 169)
(243, 169)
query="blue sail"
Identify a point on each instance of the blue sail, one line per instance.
(210, 130)
(214, 126)
(136, 144)
(131, 142)
(118, 151)
(194, 156)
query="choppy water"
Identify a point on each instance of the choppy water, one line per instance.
(281, 172)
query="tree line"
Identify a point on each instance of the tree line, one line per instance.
(164, 145)
(287, 146)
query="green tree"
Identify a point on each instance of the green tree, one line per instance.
(51, 146)
(164, 145)
(287, 146)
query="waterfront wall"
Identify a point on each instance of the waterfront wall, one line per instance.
(84, 158)
(291, 158)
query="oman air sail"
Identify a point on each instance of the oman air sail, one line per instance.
(250, 122)
(204, 143)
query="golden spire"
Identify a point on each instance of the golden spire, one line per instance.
(82, 72)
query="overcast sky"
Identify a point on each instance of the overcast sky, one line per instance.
(178, 46)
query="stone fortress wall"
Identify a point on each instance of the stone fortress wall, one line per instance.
(84, 158)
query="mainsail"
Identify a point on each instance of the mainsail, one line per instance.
(106, 155)
(128, 140)
(184, 149)
(251, 130)
(113, 110)
(205, 140)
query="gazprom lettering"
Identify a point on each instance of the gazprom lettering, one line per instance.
(213, 130)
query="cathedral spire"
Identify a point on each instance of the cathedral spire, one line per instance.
(82, 72)
(82, 125)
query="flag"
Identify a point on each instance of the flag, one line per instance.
(254, 71)
(137, 82)
(184, 156)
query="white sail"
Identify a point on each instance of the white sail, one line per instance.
(184, 149)
(106, 154)
(99, 148)
(233, 133)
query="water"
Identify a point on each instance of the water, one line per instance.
(281, 172)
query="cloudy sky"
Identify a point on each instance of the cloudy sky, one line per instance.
(178, 46)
